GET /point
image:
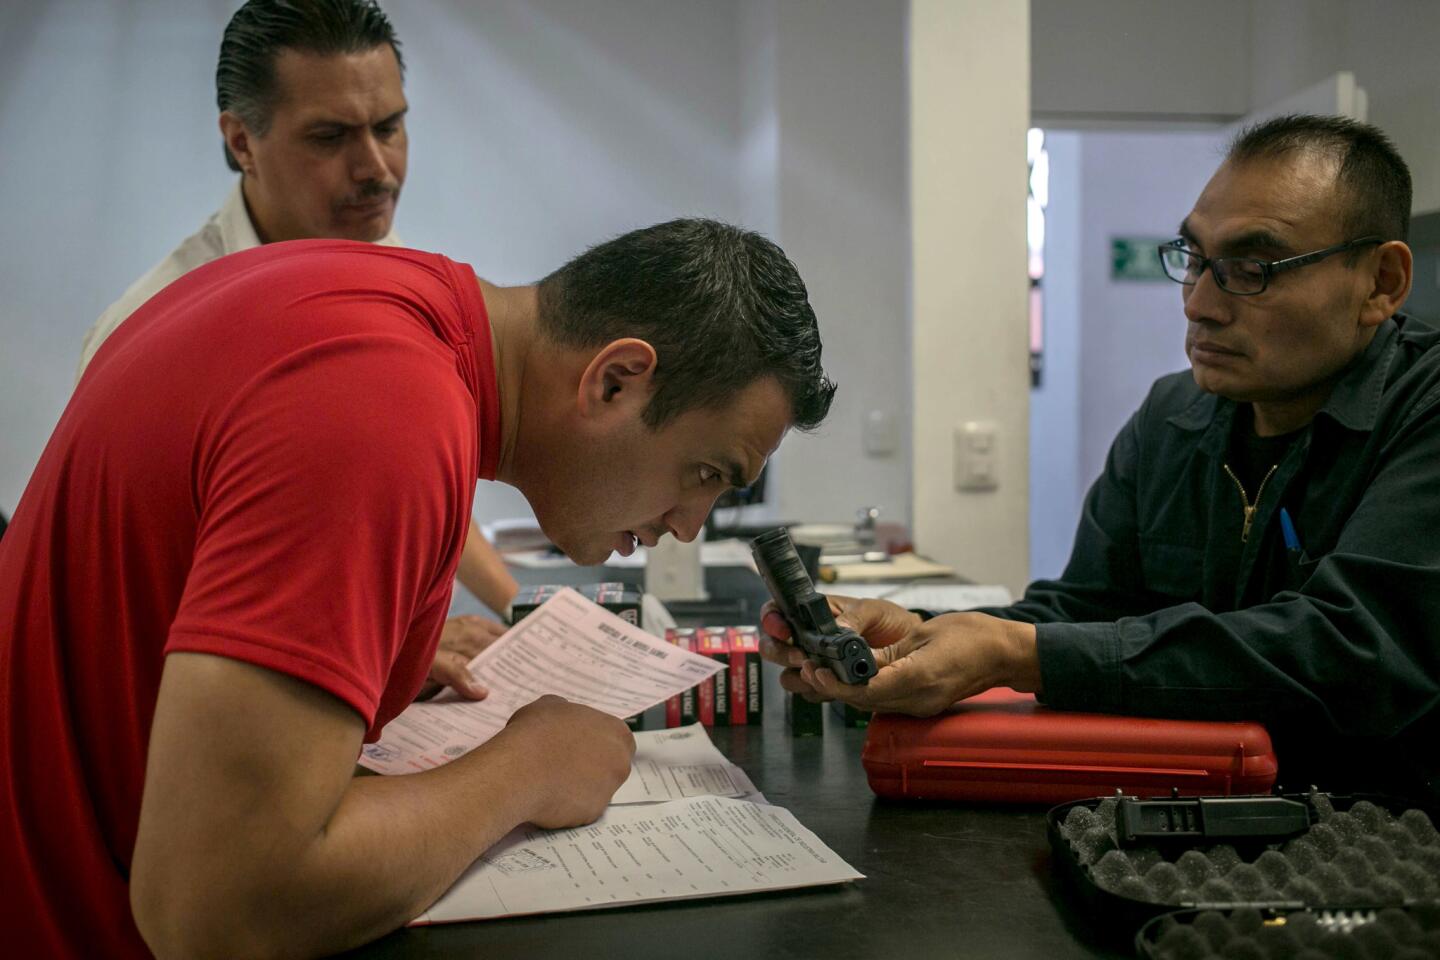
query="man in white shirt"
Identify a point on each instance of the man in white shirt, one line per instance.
(229, 230)
(312, 112)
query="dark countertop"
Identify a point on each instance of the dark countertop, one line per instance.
(941, 880)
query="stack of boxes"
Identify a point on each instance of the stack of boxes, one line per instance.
(732, 697)
(619, 599)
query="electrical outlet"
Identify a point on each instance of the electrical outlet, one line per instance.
(674, 570)
(977, 467)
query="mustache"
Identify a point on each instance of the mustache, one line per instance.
(370, 191)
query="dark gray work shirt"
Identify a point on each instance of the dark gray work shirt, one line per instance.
(1335, 646)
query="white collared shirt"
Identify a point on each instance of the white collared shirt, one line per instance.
(228, 230)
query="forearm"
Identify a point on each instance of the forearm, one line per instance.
(395, 844)
(1288, 661)
(1067, 601)
(1022, 662)
(392, 846)
(483, 572)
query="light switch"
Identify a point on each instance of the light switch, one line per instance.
(878, 433)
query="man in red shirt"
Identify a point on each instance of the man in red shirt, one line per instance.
(232, 564)
(312, 115)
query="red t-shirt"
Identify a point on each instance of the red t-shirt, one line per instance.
(272, 460)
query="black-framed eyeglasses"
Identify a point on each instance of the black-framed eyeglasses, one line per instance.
(1242, 276)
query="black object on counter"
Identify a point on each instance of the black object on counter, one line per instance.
(824, 641)
(1255, 819)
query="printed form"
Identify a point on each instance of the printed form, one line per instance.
(682, 762)
(568, 646)
(699, 847)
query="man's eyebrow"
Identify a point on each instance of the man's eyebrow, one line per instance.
(344, 125)
(1258, 239)
(737, 475)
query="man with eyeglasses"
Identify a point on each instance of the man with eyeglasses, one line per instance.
(1264, 542)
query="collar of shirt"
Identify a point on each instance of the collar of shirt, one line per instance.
(237, 230)
(1355, 401)
(1352, 404)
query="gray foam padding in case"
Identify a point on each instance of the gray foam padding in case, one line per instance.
(1361, 856)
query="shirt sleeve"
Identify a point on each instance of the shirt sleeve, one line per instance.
(331, 496)
(1353, 649)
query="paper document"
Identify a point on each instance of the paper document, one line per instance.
(720, 553)
(727, 553)
(700, 847)
(901, 566)
(933, 596)
(678, 763)
(568, 646)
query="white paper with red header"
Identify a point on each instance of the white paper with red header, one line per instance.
(569, 647)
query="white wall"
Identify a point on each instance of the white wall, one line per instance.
(1130, 332)
(969, 90)
(537, 128)
(110, 157)
(760, 115)
(840, 180)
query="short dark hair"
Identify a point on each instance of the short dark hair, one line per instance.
(1371, 172)
(245, 74)
(723, 307)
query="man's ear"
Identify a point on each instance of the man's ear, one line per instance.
(618, 380)
(1391, 278)
(237, 139)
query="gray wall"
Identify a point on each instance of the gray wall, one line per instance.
(1126, 61)
(1390, 45)
(1107, 63)
(537, 127)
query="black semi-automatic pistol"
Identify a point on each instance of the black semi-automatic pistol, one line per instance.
(824, 641)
